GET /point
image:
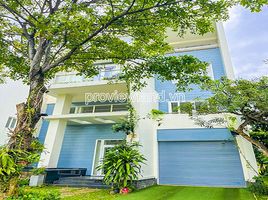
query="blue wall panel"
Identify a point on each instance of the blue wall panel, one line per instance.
(197, 134)
(45, 123)
(212, 56)
(79, 144)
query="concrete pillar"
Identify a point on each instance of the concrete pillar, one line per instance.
(55, 133)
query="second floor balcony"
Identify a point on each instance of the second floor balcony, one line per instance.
(93, 114)
(74, 84)
(72, 77)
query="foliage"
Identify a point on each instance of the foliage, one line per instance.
(122, 165)
(241, 98)
(40, 38)
(25, 194)
(24, 182)
(186, 107)
(156, 114)
(38, 171)
(262, 136)
(12, 161)
(127, 125)
(259, 186)
(185, 70)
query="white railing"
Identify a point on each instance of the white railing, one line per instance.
(98, 108)
(74, 78)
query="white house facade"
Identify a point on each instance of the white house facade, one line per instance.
(77, 131)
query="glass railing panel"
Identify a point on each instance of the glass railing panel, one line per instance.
(102, 108)
(73, 78)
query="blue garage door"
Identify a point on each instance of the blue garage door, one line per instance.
(203, 163)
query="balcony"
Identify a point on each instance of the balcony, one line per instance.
(74, 78)
(98, 108)
(94, 114)
(73, 84)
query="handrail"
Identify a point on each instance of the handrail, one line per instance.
(72, 77)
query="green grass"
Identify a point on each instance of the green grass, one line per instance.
(171, 193)
(157, 193)
(191, 193)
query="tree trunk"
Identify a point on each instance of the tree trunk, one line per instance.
(28, 115)
(262, 148)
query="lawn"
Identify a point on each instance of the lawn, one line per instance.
(158, 193)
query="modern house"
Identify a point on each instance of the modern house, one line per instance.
(77, 130)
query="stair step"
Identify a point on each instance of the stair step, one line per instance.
(83, 185)
(80, 180)
(83, 177)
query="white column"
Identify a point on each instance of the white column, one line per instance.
(55, 133)
(143, 102)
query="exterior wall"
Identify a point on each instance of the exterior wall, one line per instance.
(78, 146)
(212, 56)
(43, 130)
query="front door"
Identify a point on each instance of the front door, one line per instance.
(102, 147)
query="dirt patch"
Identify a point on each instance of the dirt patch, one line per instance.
(66, 191)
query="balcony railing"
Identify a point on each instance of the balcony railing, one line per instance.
(98, 108)
(74, 78)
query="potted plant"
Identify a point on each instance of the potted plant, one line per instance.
(37, 177)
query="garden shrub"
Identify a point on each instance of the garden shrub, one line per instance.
(259, 186)
(25, 194)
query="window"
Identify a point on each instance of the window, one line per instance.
(174, 107)
(119, 107)
(72, 110)
(201, 106)
(101, 148)
(103, 108)
(210, 71)
(87, 109)
(188, 107)
(11, 123)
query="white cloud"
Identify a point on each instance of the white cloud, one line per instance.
(251, 71)
(235, 14)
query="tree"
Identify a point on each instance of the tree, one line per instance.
(41, 37)
(244, 99)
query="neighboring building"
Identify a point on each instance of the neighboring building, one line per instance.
(77, 132)
(4, 132)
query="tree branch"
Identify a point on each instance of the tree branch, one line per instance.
(15, 13)
(126, 12)
(259, 145)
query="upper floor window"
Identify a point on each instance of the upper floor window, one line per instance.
(187, 107)
(210, 72)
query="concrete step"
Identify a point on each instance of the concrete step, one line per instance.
(83, 185)
(79, 180)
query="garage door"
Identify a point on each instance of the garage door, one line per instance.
(204, 163)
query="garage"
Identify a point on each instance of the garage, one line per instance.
(199, 157)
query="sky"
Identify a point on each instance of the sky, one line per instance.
(247, 37)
